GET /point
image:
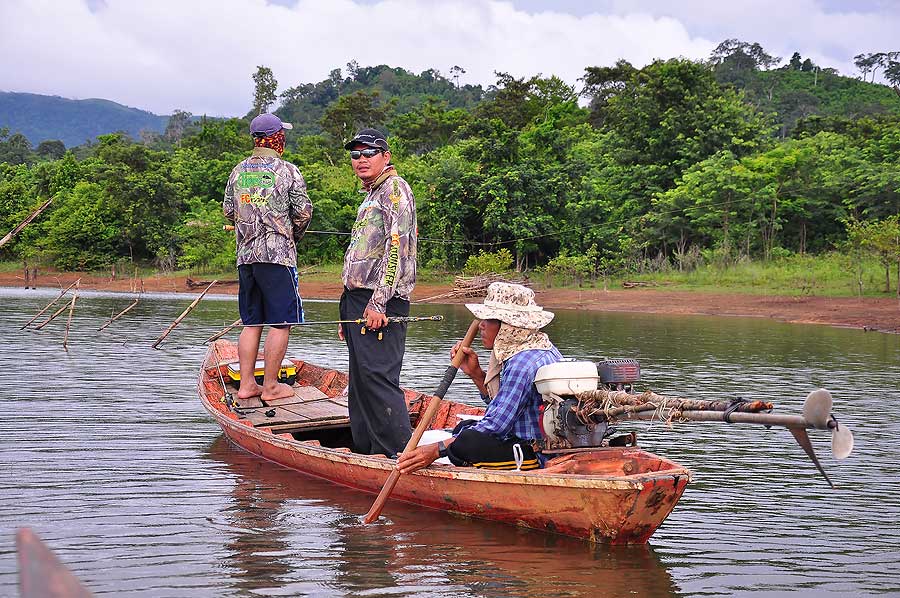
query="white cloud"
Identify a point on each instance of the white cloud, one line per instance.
(199, 55)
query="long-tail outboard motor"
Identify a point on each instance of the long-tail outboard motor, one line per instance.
(558, 384)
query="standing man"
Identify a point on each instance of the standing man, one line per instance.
(379, 275)
(266, 199)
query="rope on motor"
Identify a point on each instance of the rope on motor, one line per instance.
(733, 406)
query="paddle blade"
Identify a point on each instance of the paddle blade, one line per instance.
(817, 408)
(841, 441)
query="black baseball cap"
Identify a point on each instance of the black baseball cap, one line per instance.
(369, 138)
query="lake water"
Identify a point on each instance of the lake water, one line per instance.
(106, 452)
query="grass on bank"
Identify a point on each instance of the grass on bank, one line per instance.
(823, 275)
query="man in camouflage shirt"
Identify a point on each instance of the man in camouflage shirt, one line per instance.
(379, 275)
(266, 199)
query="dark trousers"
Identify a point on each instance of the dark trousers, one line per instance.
(478, 449)
(379, 419)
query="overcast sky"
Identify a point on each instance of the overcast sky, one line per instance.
(199, 55)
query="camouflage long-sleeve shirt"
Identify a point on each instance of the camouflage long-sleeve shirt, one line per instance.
(382, 251)
(266, 199)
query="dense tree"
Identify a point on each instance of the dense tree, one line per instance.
(353, 112)
(672, 115)
(669, 162)
(15, 148)
(51, 149)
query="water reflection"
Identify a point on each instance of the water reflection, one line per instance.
(278, 517)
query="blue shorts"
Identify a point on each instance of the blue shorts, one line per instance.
(269, 295)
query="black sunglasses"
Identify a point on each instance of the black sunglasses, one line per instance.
(368, 153)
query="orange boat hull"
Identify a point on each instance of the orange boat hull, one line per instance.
(614, 495)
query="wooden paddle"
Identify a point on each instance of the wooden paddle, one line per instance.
(424, 421)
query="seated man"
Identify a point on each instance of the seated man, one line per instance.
(503, 439)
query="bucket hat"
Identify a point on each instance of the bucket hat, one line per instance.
(513, 304)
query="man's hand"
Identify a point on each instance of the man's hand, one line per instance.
(341, 331)
(374, 320)
(419, 457)
(470, 365)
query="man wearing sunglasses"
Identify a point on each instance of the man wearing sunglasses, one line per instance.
(379, 275)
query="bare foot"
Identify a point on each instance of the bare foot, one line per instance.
(249, 390)
(279, 391)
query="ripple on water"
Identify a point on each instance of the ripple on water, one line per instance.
(107, 453)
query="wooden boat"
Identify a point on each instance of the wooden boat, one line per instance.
(617, 495)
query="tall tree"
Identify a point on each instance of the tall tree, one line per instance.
(892, 72)
(177, 126)
(455, 72)
(603, 82)
(15, 148)
(264, 94)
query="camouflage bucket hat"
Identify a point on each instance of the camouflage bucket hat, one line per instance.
(513, 304)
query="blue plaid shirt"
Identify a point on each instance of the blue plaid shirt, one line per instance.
(515, 409)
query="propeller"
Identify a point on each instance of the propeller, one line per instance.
(817, 413)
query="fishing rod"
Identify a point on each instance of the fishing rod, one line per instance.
(391, 319)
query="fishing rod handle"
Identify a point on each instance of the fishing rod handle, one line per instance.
(402, 319)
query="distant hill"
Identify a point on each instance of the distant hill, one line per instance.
(41, 117)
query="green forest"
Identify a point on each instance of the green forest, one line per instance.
(668, 167)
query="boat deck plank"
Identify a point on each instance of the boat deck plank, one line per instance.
(281, 416)
(321, 409)
(302, 394)
(251, 403)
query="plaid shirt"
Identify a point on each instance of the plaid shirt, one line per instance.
(515, 409)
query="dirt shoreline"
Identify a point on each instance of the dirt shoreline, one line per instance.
(869, 314)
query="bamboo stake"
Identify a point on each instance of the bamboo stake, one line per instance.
(120, 314)
(183, 314)
(51, 318)
(24, 223)
(69, 321)
(224, 331)
(46, 307)
(124, 311)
